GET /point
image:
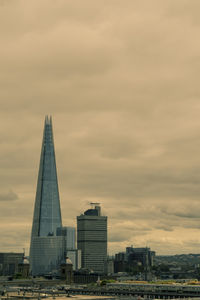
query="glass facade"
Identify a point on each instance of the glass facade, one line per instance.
(69, 236)
(46, 246)
(47, 254)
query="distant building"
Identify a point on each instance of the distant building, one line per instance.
(69, 234)
(127, 261)
(46, 250)
(9, 263)
(69, 245)
(23, 267)
(109, 266)
(92, 239)
(84, 277)
(66, 271)
(143, 255)
(75, 257)
(120, 262)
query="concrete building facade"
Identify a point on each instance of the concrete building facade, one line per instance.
(9, 263)
(92, 239)
(75, 257)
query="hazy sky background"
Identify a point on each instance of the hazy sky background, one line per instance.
(121, 81)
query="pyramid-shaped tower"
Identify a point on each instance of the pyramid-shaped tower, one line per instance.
(46, 250)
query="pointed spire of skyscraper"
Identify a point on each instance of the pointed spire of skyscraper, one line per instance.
(47, 215)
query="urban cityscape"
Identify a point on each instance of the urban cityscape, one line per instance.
(80, 256)
(99, 149)
(52, 244)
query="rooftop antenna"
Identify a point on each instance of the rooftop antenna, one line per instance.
(96, 205)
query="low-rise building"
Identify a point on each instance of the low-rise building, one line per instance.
(9, 263)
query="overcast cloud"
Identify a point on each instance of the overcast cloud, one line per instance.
(121, 81)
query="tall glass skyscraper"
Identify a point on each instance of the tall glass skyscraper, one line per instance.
(46, 250)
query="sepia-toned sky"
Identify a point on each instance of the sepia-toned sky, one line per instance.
(121, 80)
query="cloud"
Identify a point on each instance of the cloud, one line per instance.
(185, 210)
(8, 196)
(121, 82)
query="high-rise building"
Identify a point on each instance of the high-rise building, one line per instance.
(69, 244)
(127, 261)
(92, 239)
(46, 250)
(69, 235)
(75, 257)
(143, 255)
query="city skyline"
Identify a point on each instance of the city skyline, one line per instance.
(121, 83)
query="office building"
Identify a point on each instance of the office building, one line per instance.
(46, 250)
(109, 266)
(120, 262)
(133, 257)
(9, 263)
(142, 255)
(69, 235)
(75, 257)
(69, 245)
(92, 239)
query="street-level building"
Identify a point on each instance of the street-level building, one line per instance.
(9, 262)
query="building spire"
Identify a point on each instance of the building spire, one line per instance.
(48, 120)
(47, 214)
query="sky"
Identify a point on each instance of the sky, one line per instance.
(121, 81)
